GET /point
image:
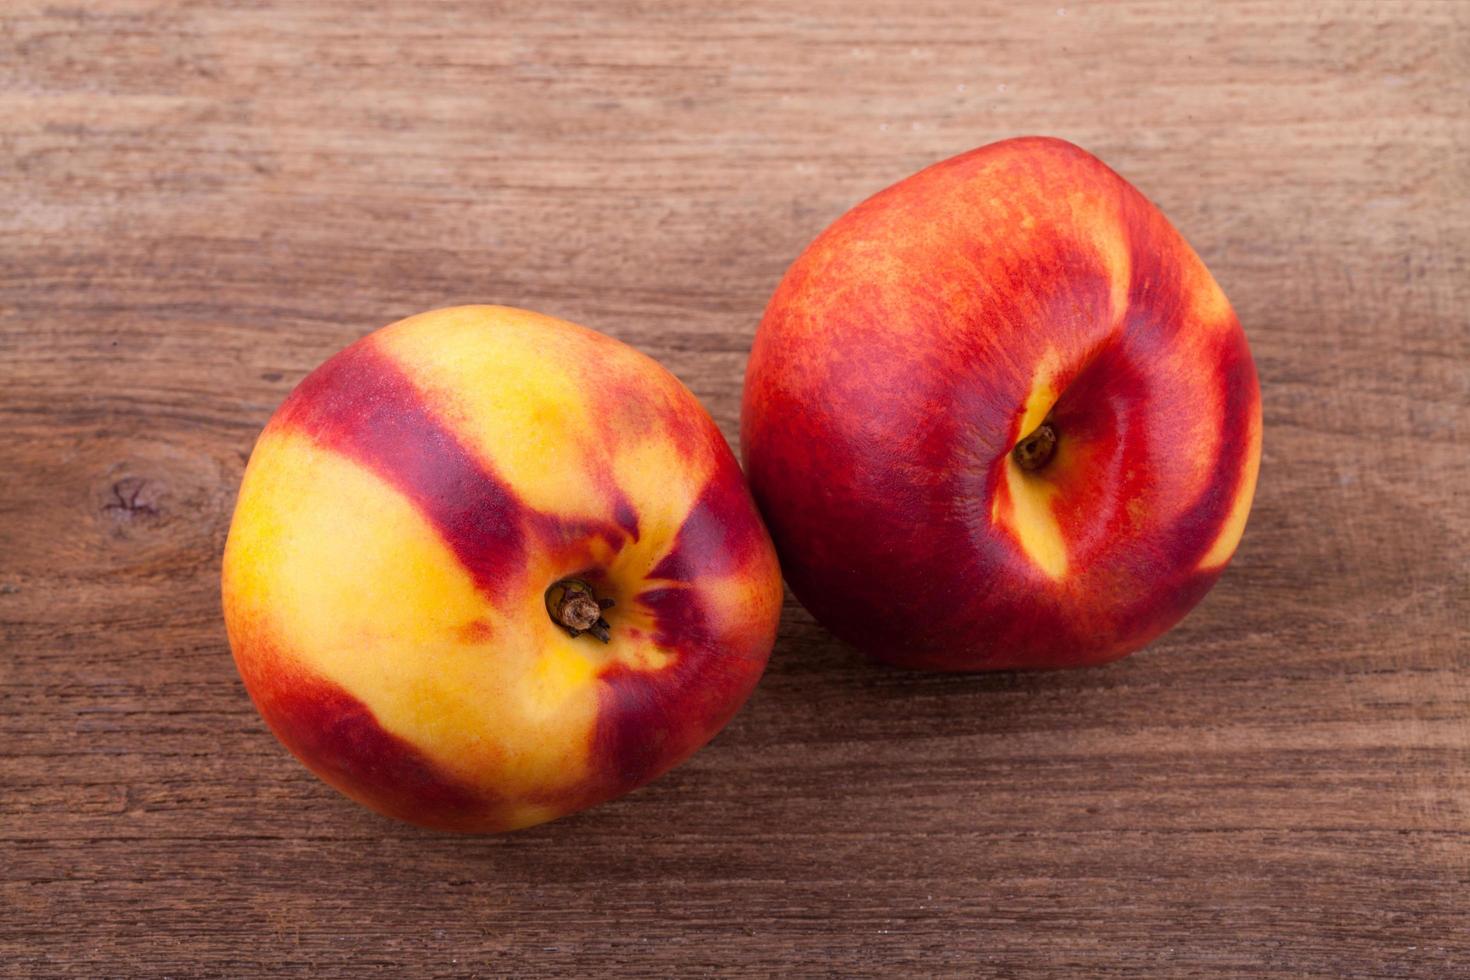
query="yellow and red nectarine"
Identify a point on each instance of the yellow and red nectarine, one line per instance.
(488, 567)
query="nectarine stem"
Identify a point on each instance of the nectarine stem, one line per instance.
(574, 607)
(1037, 449)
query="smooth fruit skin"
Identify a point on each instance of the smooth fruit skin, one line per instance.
(910, 348)
(399, 522)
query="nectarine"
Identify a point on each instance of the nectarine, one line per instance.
(1000, 415)
(489, 567)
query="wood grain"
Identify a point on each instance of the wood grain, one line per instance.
(200, 201)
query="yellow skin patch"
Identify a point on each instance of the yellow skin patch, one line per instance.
(1240, 508)
(1025, 506)
(1097, 222)
(1033, 521)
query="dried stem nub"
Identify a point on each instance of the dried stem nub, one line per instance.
(575, 607)
(1037, 449)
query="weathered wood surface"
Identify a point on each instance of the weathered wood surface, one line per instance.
(200, 201)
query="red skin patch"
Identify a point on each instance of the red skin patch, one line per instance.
(360, 404)
(876, 444)
(476, 631)
(649, 722)
(337, 737)
(720, 532)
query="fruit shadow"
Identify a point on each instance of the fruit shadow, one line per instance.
(825, 692)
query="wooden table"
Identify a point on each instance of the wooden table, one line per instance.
(200, 201)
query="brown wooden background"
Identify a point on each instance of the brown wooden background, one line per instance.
(200, 201)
